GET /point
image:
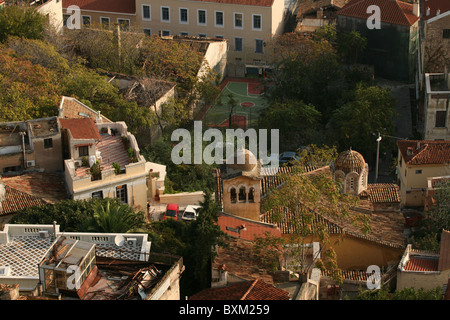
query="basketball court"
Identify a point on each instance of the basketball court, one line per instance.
(248, 99)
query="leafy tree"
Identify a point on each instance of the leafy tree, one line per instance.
(372, 110)
(296, 121)
(114, 217)
(302, 201)
(21, 22)
(195, 241)
(29, 91)
(350, 45)
(403, 294)
(305, 70)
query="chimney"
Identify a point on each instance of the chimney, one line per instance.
(438, 12)
(428, 11)
(418, 145)
(2, 194)
(416, 8)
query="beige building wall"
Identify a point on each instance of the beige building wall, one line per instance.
(413, 181)
(53, 10)
(245, 209)
(114, 18)
(426, 280)
(271, 24)
(437, 100)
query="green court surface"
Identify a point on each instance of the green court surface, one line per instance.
(248, 99)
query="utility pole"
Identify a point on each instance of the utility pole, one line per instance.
(378, 156)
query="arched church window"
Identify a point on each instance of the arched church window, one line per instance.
(233, 195)
(242, 194)
(251, 195)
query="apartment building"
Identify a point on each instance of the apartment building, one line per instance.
(104, 161)
(30, 145)
(247, 24)
(436, 106)
(104, 13)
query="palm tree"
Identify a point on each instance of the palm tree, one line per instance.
(115, 217)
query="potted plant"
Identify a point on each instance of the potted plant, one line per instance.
(96, 171)
(116, 167)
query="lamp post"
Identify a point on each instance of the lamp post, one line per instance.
(378, 155)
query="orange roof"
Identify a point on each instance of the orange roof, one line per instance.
(421, 264)
(444, 255)
(119, 6)
(383, 192)
(248, 290)
(425, 151)
(392, 11)
(17, 200)
(81, 128)
(434, 5)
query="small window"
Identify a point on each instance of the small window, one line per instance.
(83, 151)
(104, 21)
(146, 12)
(65, 18)
(183, 15)
(259, 46)
(86, 21)
(242, 194)
(418, 171)
(165, 33)
(121, 193)
(238, 20)
(237, 44)
(257, 25)
(233, 195)
(446, 33)
(441, 117)
(124, 24)
(219, 19)
(165, 14)
(147, 31)
(97, 195)
(201, 17)
(251, 195)
(202, 35)
(219, 37)
(184, 34)
(48, 143)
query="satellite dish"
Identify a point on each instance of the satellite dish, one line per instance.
(119, 240)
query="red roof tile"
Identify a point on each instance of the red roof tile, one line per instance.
(434, 6)
(16, 200)
(119, 6)
(425, 151)
(81, 128)
(248, 290)
(392, 11)
(383, 192)
(444, 255)
(421, 264)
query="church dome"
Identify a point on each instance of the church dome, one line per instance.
(350, 161)
(250, 161)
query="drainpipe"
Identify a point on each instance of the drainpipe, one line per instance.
(23, 149)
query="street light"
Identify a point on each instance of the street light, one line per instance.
(378, 155)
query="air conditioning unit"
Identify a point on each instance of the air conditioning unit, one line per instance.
(43, 234)
(31, 163)
(131, 241)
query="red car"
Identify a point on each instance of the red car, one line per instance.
(172, 211)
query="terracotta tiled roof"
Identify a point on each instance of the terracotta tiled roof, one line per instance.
(383, 192)
(392, 11)
(444, 255)
(421, 264)
(350, 161)
(248, 290)
(386, 227)
(119, 6)
(82, 128)
(72, 108)
(49, 187)
(240, 260)
(425, 151)
(16, 200)
(434, 5)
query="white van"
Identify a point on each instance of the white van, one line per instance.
(190, 213)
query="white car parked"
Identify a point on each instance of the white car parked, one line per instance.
(190, 213)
